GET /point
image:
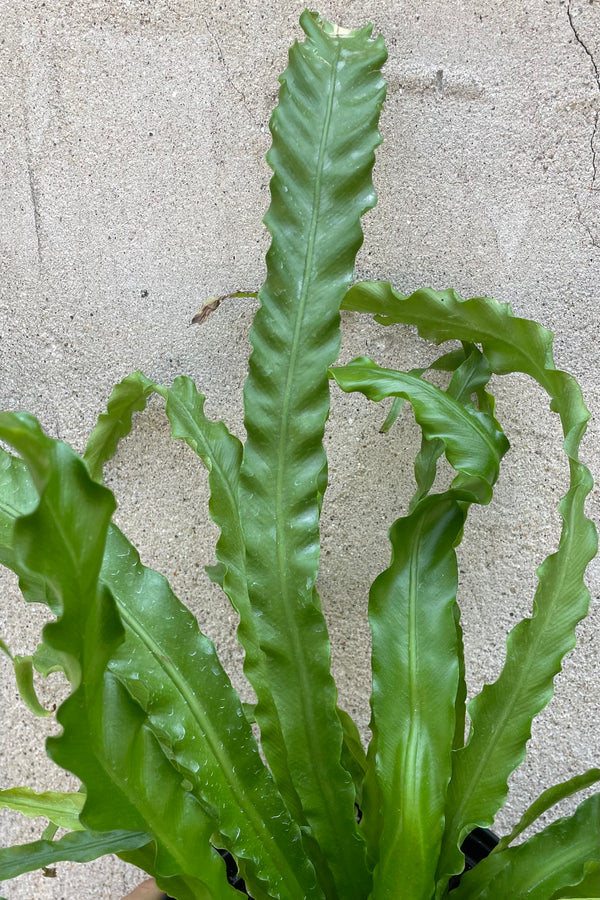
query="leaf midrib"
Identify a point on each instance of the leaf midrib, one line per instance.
(411, 750)
(305, 692)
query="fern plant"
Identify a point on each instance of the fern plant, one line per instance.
(170, 769)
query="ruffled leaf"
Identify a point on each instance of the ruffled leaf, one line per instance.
(501, 715)
(174, 674)
(324, 135)
(105, 739)
(221, 452)
(587, 889)
(128, 397)
(78, 846)
(473, 441)
(555, 858)
(415, 681)
(547, 800)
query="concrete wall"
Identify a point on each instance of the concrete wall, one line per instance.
(132, 142)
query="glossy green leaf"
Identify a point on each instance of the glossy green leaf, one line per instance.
(105, 739)
(460, 706)
(124, 574)
(324, 135)
(60, 808)
(221, 452)
(173, 672)
(127, 397)
(217, 448)
(415, 680)
(129, 778)
(549, 861)
(547, 800)
(17, 496)
(78, 846)
(501, 715)
(46, 660)
(510, 344)
(473, 441)
(392, 416)
(49, 832)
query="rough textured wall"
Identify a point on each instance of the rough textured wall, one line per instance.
(132, 142)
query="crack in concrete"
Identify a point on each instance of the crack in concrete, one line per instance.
(34, 192)
(588, 52)
(222, 60)
(37, 222)
(587, 228)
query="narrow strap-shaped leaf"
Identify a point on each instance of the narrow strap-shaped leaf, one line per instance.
(460, 706)
(324, 135)
(501, 715)
(129, 396)
(547, 800)
(553, 859)
(221, 452)
(62, 809)
(218, 449)
(415, 679)
(471, 374)
(78, 846)
(392, 416)
(473, 441)
(173, 672)
(105, 739)
(510, 344)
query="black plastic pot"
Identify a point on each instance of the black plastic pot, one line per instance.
(476, 847)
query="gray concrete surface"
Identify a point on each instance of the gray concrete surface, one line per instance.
(132, 141)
